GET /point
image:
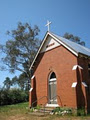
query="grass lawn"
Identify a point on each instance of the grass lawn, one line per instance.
(21, 112)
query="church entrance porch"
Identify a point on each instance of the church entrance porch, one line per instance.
(52, 91)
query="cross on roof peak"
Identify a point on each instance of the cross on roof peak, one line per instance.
(48, 24)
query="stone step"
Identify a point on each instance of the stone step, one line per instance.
(45, 109)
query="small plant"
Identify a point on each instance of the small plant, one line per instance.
(62, 111)
(35, 108)
(57, 109)
(32, 110)
(81, 112)
(38, 107)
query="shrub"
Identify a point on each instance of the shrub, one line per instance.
(12, 96)
(81, 112)
(69, 111)
(62, 111)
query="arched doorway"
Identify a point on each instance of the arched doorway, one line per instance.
(52, 88)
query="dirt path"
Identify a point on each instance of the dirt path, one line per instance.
(29, 117)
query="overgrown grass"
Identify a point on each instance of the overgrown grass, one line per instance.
(13, 110)
(9, 108)
(22, 112)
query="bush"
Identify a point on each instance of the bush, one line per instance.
(13, 96)
(69, 111)
(81, 112)
(62, 111)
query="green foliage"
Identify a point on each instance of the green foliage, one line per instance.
(6, 108)
(69, 111)
(62, 111)
(57, 109)
(21, 81)
(7, 111)
(21, 111)
(21, 48)
(37, 107)
(7, 83)
(34, 109)
(74, 38)
(13, 96)
(81, 112)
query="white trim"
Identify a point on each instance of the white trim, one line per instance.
(52, 105)
(30, 89)
(85, 85)
(80, 67)
(75, 67)
(52, 79)
(38, 51)
(74, 84)
(49, 44)
(32, 77)
(53, 100)
(52, 83)
(75, 53)
(58, 40)
(48, 24)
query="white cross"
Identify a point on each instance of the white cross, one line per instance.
(48, 24)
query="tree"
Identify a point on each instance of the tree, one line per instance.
(14, 81)
(21, 81)
(21, 48)
(74, 38)
(7, 83)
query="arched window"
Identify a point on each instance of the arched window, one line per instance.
(52, 88)
(52, 75)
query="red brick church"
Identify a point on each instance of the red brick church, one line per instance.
(61, 74)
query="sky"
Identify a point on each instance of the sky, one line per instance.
(72, 16)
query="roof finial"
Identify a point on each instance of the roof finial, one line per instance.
(48, 24)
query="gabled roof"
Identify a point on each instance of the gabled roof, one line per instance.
(73, 47)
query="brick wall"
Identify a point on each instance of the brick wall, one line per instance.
(82, 61)
(60, 61)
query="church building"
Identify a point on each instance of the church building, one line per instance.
(61, 74)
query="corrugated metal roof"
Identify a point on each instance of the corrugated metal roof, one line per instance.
(74, 46)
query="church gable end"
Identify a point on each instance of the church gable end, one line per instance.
(49, 44)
